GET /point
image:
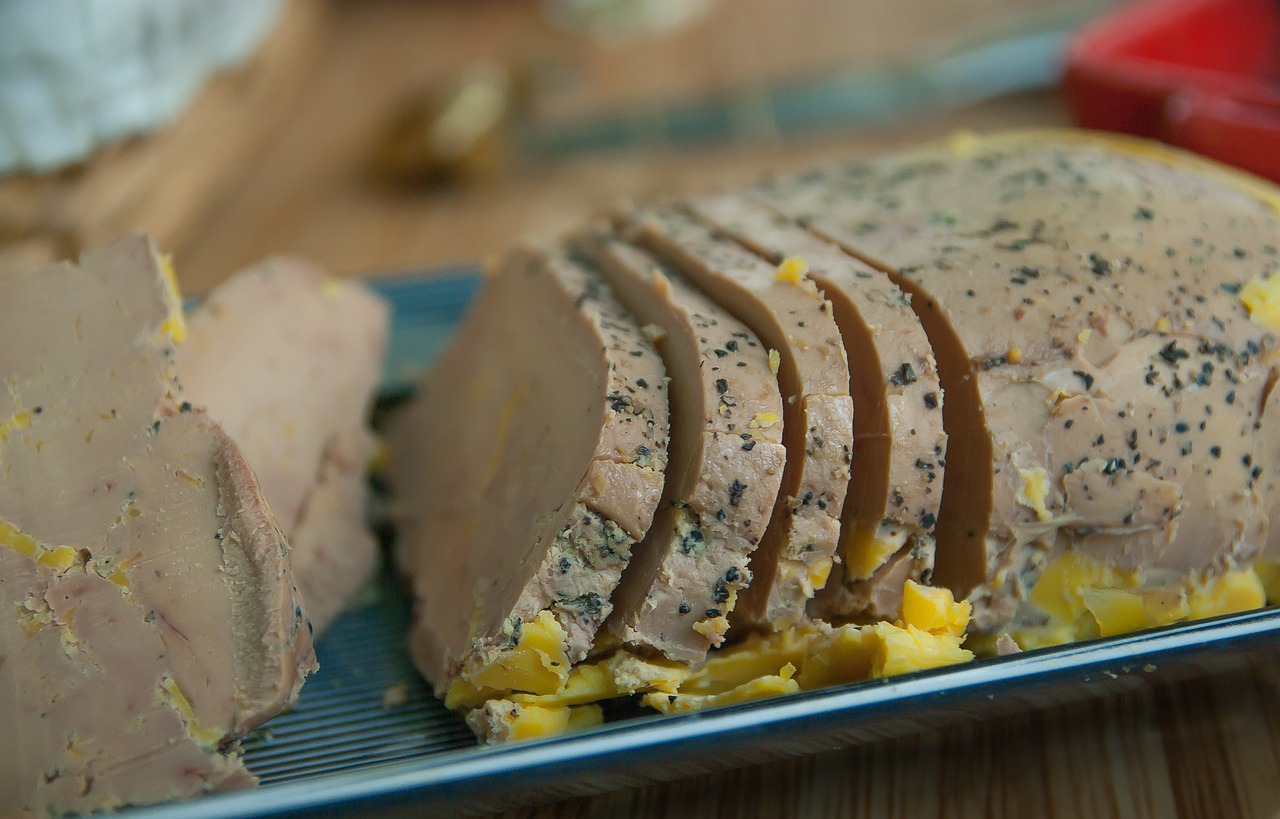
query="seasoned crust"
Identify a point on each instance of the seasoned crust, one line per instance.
(799, 546)
(895, 486)
(724, 470)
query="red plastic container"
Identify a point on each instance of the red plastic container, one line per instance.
(1200, 74)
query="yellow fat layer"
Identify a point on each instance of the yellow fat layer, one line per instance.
(175, 326)
(1086, 598)
(209, 737)
(538, 663)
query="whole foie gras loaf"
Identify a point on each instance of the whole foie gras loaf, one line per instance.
(788, 313)
(526, 470)
(725, 460)
(895, 485)
(1104, 381)
(150, 615)
(286, 359)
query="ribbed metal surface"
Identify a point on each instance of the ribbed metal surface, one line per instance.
(345, 718)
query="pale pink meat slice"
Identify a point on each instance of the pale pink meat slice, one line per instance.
(527, 468)
(287, 359)
(150, 612)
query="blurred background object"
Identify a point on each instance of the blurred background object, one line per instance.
(621, 20)
(1200, 74)
(381, 134)
(76, 74)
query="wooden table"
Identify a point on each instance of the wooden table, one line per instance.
(274, 159)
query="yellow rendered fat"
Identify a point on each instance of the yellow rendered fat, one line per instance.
(803, 657)
(756, 656)
(20, 420)
(1086, 598)
(173, 694)
(175, 326)
(1269, 573)
(807, 657)
(58, 558)
(1262, 297)
(792, 270)
(867, 553)
(818, 573)
(619, 674)
(1062, 585)
(538, 664)
(901, 650)
(763, 420)
(772, 685)
(1117, 611)
(847, 655)
(526, 722)
(1033, 491)
(14, 538)
(1231, 593)
(775, 360)
(934, 609)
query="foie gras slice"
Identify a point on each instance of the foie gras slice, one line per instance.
(287, 359)
(789, 315)
(150, 615)
(899, 451)
(724, 465)
(1103, 379)
(525, 471)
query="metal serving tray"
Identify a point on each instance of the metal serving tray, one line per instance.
(343, 750)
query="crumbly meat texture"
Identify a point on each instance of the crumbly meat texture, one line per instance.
(725, 464)
(790, 316)
(524, 483)
(287, 359)
(900, 447)
(1104, 381)
(150, 612)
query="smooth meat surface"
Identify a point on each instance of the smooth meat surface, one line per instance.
(287, 360)
(150, 611)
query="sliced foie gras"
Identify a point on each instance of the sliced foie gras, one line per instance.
(899, 444)
(725, 460)
(789, 315)
(286, 359)
(1103, 380)
(150, 615)
(526, 470)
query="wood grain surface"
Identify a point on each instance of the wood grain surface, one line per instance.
(275, 159)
